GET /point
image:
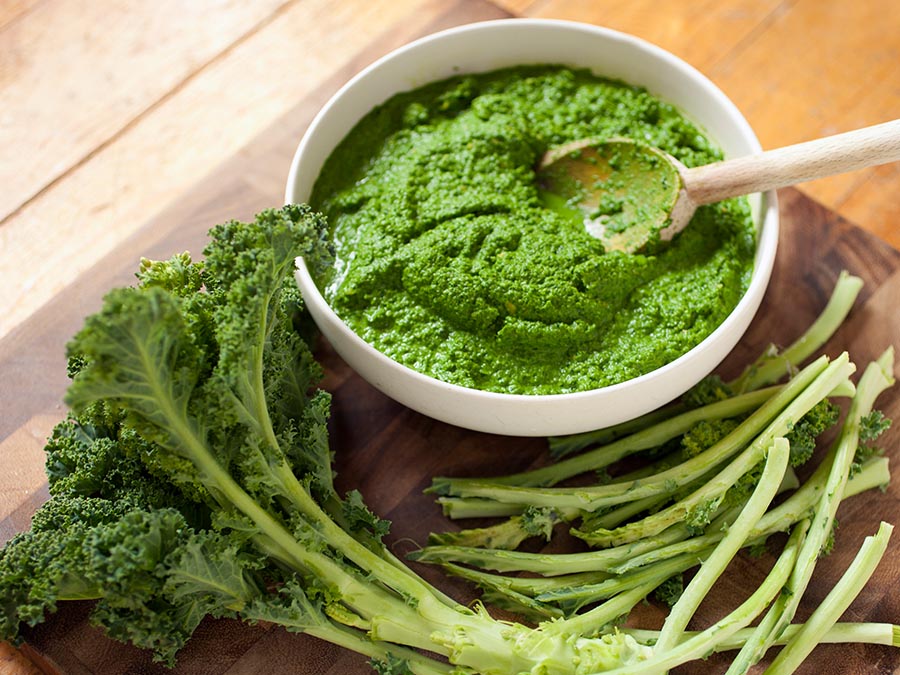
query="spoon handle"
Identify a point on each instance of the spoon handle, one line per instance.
(793, 164)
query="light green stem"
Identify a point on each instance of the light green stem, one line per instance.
(874, 473)
(876, 378)
(610, 454)
(805, 390)
(704, 642)
(716, 486)
(839, 633)
(773, 365)
(834, 604)
(715, 564)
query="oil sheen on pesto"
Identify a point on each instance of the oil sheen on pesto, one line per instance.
(449, 261)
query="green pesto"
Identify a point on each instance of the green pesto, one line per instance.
(449, 261)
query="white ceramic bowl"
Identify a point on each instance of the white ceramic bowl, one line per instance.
(495, 44)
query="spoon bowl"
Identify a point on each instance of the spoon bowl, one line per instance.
(632, 196)
(623, 191)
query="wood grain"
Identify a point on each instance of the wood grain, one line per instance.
(127, 180)
(102, 65)
(23, 457)
(703, 33)
(12, 10)
(804, 69)
(13, 662)
(110, 114)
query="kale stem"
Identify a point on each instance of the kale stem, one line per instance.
(562, 446)
(714, 565)
(864, 633)
(585, 593)
(771, 365)
(677, 651)
(548, 564)
(540, 587)
(835, 603)
(797, 506)
(876, 378)
(596, 619)
(798, 396)
(324, 628)
(609, 454)
(458, 508)
(714, 488)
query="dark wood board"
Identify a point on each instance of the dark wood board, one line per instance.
(390, 453)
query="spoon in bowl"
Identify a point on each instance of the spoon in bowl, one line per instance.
(631, 195)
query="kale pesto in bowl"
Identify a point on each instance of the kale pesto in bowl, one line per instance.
(448, 261)
(457, 291)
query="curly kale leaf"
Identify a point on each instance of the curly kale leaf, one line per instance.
(88, 548)
(804, 433)
(392, 665)
(179, 274)
(539, 522)
(706, 434)
(669, 591)
(359, 519)
(168, 389)
(710, 389)
(872, 426)
(700, 516)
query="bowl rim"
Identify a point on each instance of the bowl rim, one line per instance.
(766, 222)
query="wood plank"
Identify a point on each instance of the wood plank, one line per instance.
(80, 72)
(686, 28)
(518, 7)
(870, 201)
(13, 662)
(23, 457)
(114, 191)
(813, 86)
(123, 183)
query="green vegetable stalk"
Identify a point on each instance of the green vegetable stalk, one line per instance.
(877, 377)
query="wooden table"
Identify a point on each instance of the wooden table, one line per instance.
(130, 129)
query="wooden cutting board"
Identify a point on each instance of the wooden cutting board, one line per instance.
(390, 453)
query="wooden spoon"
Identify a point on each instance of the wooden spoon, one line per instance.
(631, 195)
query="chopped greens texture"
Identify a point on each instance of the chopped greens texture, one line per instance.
(193, 478)
(453, 259)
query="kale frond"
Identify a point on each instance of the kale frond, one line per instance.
(706, 434)
(710, 389)
(669, 591)
(804, 433)
(873, 425)
(539, 522)
(359, 519)
(392, 665)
